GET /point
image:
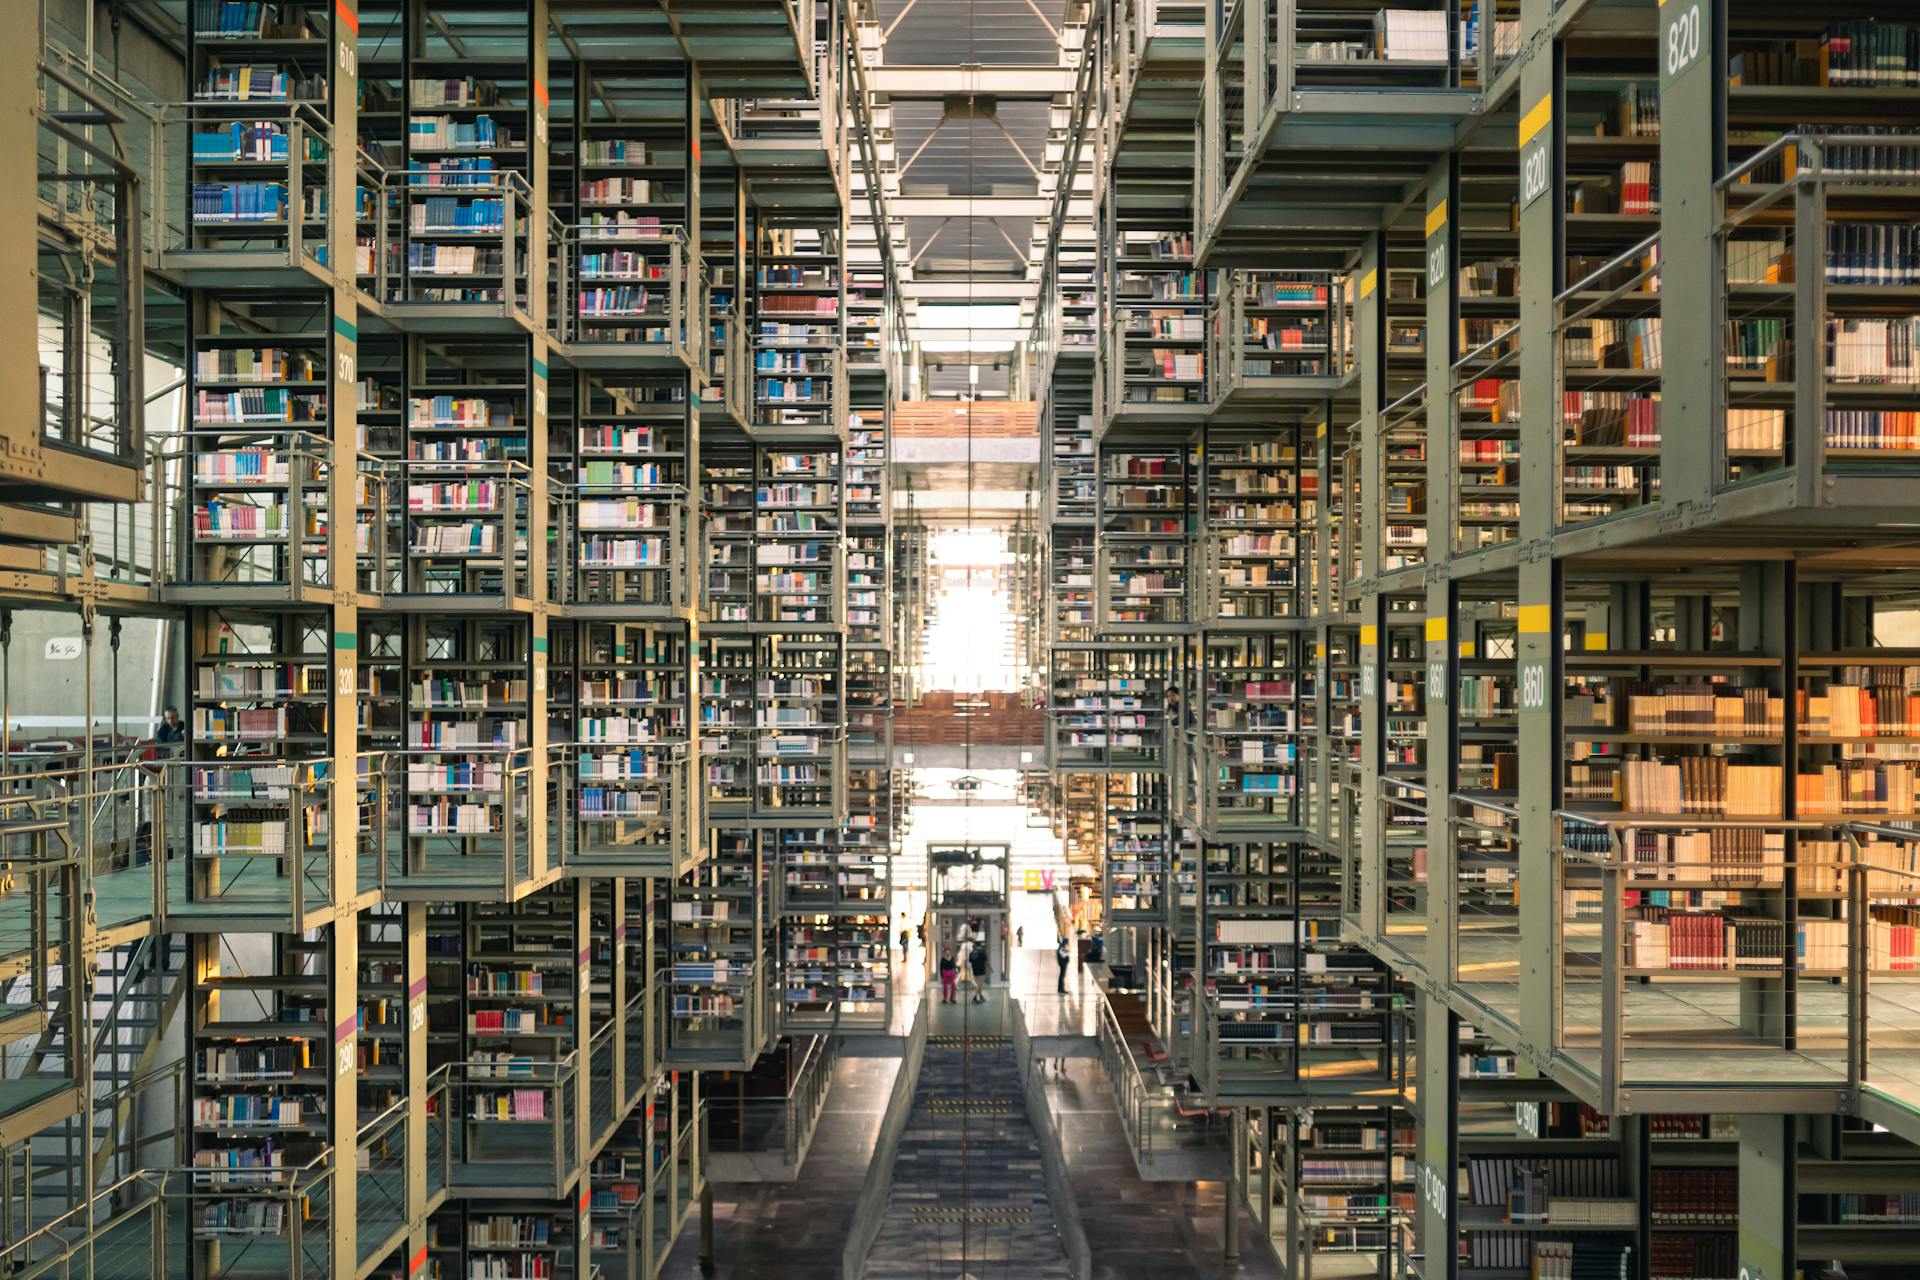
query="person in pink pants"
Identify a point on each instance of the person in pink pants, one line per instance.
(949, 978)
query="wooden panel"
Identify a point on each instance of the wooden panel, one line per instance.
(1004, 419)
(944, 719)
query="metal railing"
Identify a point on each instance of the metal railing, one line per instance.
(1607, 364)
(1276, 1048)
(629, 287)
(121, 1231)
(512, 1125)
(783, 1123)
(1807, 380)
(1150, 1110)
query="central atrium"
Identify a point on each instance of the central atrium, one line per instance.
(829, 640)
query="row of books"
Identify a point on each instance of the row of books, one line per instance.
(1639, 482)
(613, 151)
(450, 777)
(1492, 1180)
(256, 1111)
(1701, 785)
(1633, 191)
(1684, 1256)
(1693, 1197)
(465, 735)
(259, 140)
(258, 406)
(251, 83)
(509, 1232)
(1603, 343)
(447, 817)
(451, 133)
(462, 215)
(251, 723)
(1500, 397)
(602, 802)
(1877, 352)
(429, 259)
(610, 438)
(458, 496)
(227, 838)
(1734, 855)
(1872, 253)
(622, 264)
(1662, 940)
(474, 538)
(521, 1105)
(1857, 786)
(1545, 1259)
(1610, 419)
(265, 202)
(1889, 707)
(448, 691)
(457, 91)
(625, 300)
(621, 224)
(1705, 709)
(1869, 51)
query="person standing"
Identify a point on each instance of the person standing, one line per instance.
(977, 962)
(1020, 936)
(905, 937)
(172, 729)
(1061, 954)
(949, 977)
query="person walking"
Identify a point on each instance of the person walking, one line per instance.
(949, 977)
(977, 962)
(1020, 936)
(906, 936)
(1061, 954)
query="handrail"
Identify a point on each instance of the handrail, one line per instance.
(1621, 259)
(1066, 1208)
(1492, 805)
(78, 1227)
(1416, 393)
(1488, 345)
(870, 1210)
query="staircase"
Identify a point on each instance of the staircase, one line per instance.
(136, 990)
(969, 1190)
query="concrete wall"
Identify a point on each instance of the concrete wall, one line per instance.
(48, 698)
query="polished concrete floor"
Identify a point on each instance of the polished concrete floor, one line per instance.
(1137, 1230)
(796, 1230)
(1140, 1230)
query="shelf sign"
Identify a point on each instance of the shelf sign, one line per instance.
(1683, 33)
(1535, 620)
(1436, 660)
(1437, 248)
(1434, 1188)
(1527, 1116)
(1536, 151)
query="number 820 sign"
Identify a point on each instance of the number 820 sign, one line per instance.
(1686, 31)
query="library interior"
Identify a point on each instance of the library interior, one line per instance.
(906, 692)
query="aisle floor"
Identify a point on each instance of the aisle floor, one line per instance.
(796, 1230)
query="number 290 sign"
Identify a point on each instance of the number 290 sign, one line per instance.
(1685, 34)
